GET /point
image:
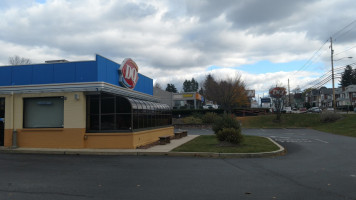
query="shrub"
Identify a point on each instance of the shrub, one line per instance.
(329, 117)
(192, 120)
(231, 135)
(226, 121)
(197, 115)
(210, 117)
(227, 128)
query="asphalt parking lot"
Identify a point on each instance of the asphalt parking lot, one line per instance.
(318, 166)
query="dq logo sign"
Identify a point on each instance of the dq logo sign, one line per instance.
(277, 92)
(129, 73)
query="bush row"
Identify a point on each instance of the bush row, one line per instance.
(207, 118)
(237, 111)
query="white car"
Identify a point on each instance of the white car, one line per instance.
(314, 110)
(210, 106)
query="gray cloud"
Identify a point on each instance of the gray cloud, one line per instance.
(175, 40)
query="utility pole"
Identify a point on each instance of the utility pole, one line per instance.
(332, 72)
(289, 94)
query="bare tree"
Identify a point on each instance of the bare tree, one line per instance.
(157, 85)
(229, 93)
(17, 60)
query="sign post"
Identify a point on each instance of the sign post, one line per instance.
(278, 95)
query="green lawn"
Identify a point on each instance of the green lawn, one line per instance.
(345, 126)
(209, 143)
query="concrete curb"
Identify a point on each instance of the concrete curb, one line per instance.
(279, 152)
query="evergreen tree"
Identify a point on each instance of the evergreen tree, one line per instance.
(171, 88)
(190, 85)
(194, 85)
(348, 77)
(186, 86)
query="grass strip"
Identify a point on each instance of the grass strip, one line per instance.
(209, 143)
(345, 126)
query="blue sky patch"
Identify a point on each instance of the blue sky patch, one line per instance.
(266, 66)
(41, 1)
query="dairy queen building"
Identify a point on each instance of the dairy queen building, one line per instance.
(84, 104)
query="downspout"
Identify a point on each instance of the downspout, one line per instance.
(14, 132)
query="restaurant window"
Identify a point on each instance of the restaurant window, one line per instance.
(44, 112)
(108, 112)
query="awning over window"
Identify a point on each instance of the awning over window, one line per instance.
(147, 105)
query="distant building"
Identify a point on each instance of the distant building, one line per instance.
(164, 96)
(188, 100)
(298, 101)
(326, 97)
(346, 96)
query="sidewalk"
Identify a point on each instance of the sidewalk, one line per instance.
(158, 150)
(155, 149)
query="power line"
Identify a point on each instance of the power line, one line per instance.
(338, 32)
(325, 78)
(345, 50)
(309, 61)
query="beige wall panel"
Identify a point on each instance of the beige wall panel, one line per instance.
(75, 110)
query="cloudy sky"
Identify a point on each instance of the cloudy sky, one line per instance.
(264, 41)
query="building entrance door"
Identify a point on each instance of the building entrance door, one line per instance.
(2, 120)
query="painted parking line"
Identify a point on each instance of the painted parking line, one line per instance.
(321, 141)
(291, 140)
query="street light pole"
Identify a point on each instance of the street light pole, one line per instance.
(332, 72)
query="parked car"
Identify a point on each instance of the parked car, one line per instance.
(314, 110)
(329, 109)
(302, 110)
(210, 106)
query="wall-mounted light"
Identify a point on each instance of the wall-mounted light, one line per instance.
(76, 97)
